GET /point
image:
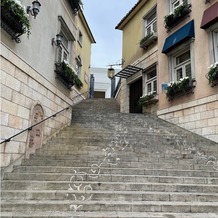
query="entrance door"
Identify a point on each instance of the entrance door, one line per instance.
(135, 94)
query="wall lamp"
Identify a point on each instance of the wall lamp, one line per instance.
(58, 40)
(34, 10)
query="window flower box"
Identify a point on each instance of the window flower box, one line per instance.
(182, 87)
(212, 75)
(148, 40)
(14, 19)
(75, 5)
(180, 13)
(148, 99)
(67, 76)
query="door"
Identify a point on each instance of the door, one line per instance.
(135, 94)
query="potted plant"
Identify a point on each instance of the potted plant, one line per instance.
(179, 13)
(147, 99)
(65, 74)
(148, 39)
(78, 82)
(212, 75)
(183, 86)
(76, 5)
(14, 18)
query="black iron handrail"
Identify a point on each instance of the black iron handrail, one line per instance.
(30, 128)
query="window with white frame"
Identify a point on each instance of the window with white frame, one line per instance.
(151, 81)
(63, 53)
(176, 3)
(78, 65)
(215, 44)
(182, 65)
(150, 22)
(64, 50)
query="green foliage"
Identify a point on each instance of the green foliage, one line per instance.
(178, 13)
(144, 39)
(146, 98)
(177, 87)
(78, 82)
(213, 74)
(15, 7)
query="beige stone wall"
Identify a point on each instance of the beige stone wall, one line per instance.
(199, 116)
(22, 87)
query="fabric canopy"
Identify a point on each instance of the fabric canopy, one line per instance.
(183, 34)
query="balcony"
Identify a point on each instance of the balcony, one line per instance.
(14, 20)
(67, 76)
(148, 40)
(179, 14)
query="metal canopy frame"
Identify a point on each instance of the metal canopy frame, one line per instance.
(128, 71)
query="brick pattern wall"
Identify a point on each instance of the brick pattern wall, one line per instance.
(199, 116)
(21, 89)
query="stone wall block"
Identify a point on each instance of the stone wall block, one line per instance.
(13, 83)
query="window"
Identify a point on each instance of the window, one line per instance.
(183, 65)
(215, 45)
(151, 82)
(80, 37)
(63, 53)
(150, 22)
(78, 65)
(176, 3)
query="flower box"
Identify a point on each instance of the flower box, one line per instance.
(75, 5)
(177, 16)
(14, 19)
(182, 87)
(150, 98)
(148, 40)
(212, 75)
(67, 76)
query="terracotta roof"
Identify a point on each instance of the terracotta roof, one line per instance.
(128, 14)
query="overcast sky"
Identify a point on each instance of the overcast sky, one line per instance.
(103, 17)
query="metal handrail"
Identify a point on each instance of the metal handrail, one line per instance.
(30, 128)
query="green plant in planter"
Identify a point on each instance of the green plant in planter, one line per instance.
(146, 98)
(212, 75)
(145, 38)
(14, 8)
(179, 13)
(78, 82)
(181, 86)
(68, 75)
(168, 19)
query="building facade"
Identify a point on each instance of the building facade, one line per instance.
(170, 50)
(39, 73)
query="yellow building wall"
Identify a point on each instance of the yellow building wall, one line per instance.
(134, 32)
(84, 51)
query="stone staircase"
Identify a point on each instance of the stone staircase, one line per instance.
(108, 164)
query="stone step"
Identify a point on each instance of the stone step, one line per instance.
(124, 206)
(71, 163)
(97, 184)
(105, 214)
(108, 195)
(116, 171)
(147, 164)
